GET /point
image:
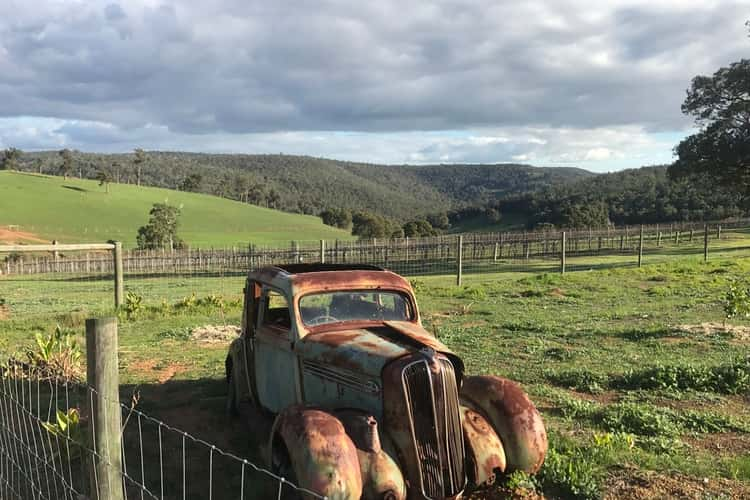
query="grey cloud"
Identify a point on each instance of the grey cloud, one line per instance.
(241, 67)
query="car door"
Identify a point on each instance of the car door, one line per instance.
(249, 325)
(275, 362)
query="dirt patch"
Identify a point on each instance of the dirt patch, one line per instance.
(721, 443)
(4, 311)
(156, 372)
(605, 398)
(629, 482)
(215, 334)
(9, 235)
(474, 324)
(738, 332)
(557, 292)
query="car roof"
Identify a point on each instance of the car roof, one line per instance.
(320, 267)
(301, 278)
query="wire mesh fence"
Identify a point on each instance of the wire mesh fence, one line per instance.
(47, 451)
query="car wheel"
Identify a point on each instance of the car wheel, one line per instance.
(232, 407)
(282, 466)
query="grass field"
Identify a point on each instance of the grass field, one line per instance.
(74, 211)
(643, 384)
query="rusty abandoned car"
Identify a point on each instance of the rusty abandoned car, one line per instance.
(367, 403)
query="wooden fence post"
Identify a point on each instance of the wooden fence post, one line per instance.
(562, 253)
(460, 260)
(705, 244)
(640, 247)
(119, 285)
(718, 232)
(104, 401)
(322, 251)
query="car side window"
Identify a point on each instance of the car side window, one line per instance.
(275, 310)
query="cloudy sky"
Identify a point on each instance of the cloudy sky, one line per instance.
(595, 84)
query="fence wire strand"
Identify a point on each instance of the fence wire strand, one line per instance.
(40, 458)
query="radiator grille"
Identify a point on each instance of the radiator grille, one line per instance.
(432, 402)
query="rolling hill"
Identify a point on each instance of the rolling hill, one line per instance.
(74, 210)
(304, 184)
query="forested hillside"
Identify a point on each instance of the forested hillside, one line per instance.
(310, 185)
(635, 196)
(472, 196)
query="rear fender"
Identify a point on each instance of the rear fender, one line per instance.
(484, 451)
(513, 416)
(323, 457)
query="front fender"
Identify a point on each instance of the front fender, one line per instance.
(513, 416)
(323, 457)
(485, 453)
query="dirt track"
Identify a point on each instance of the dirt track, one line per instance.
(14, 236)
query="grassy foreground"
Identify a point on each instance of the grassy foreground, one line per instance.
(76, 211)
(643, 385)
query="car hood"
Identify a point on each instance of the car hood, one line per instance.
(367, 350)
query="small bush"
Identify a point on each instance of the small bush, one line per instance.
(57, 355)
(737, 301)
(558, 354)
(133, 305)
(580, 380)
(569, 475)
(732, 378)
(639, 419)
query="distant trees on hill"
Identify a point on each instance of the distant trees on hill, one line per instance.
(337, 217)
(104, 177)
(66, 167)
(443, 195)
(10, 159)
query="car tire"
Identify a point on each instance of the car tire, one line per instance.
(282, 467)
(231, 402)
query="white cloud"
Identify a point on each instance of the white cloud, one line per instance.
(449, 80)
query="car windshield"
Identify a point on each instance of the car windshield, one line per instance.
(334, 307)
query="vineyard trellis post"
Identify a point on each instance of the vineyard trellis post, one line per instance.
(460, 260)
(119, 285)
(705, 243)
(106, 438)
(640, 247)
(562, 253)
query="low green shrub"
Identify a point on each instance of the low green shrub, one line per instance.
(580, 380)
(569, 475)
(731, 378)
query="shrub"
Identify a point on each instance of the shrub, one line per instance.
(57, 355)
(133, 305)
(731, 378)
(569, 475)
(737, 301)
(580, 380)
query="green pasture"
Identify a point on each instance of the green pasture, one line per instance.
(76, 211)
(637, 372)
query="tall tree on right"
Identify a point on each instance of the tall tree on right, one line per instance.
(720, 150)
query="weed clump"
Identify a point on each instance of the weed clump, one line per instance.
(579, 380)
(731, 378)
